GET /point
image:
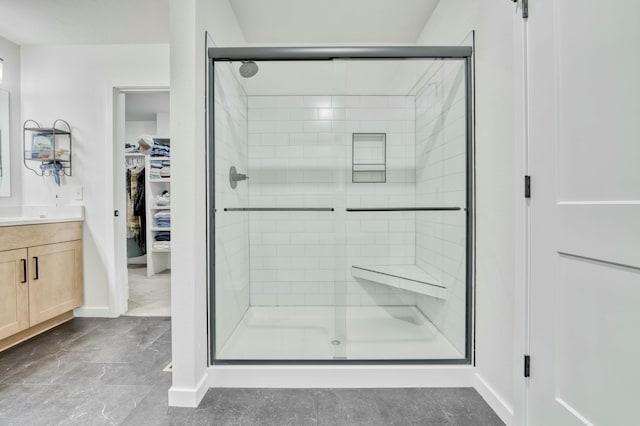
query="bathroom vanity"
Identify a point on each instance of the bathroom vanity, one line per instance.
(40, 275)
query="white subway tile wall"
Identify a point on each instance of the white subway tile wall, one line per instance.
(441, 181)
(300, 154)
(232, 230)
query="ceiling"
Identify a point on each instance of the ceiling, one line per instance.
(49, 22)
(332, 21)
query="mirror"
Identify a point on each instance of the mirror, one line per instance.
(5, 143)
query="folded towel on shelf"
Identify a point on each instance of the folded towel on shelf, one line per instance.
(160, 150)
(161, 245)
(162, 213)
(155, 171)
(163, 222)
(163, 236)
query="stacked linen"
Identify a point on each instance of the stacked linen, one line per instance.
(165, 170)
(162, 240)
(156, 170)
(163, 219)
(160, 150)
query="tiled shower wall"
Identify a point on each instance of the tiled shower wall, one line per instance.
(441, 181)
(300, 156)
(232, 230)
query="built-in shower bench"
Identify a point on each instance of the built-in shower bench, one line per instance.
(407, 277)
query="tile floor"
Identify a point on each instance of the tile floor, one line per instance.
(364, 332)
(109, 372)
(149, 296)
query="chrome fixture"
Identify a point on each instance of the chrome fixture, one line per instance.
(235, 177)
(248, 69)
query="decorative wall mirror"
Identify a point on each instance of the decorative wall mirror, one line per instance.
(5, 145)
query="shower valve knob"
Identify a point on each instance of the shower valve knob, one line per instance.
(235, 177)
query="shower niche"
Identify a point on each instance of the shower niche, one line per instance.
(350, 241)
(369, 158)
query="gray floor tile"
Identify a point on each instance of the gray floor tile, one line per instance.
(257, 407)
(378, 407)
(109, 371)
(464, 406)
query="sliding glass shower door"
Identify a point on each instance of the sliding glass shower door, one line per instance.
(279, 214)
(406, 204)
(340, 211)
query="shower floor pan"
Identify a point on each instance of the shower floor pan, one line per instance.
(310, 333)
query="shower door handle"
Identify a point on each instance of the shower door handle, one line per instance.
(404, 209)
(279, 209)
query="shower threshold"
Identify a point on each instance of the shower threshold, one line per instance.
(310, 333)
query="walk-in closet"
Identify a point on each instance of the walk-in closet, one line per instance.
(144, 131)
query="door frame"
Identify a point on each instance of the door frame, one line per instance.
(119, 297)
(522, 219)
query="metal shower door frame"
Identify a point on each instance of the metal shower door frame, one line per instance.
(232, 54)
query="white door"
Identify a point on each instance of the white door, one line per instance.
(583, 73)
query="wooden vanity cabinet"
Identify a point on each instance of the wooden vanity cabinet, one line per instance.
(14, 292)
(41, 282)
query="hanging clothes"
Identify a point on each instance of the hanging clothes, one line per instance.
(139, 209)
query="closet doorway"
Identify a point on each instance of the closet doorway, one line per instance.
(142, 189)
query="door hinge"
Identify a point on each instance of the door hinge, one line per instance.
(527, 186)
(527, 365)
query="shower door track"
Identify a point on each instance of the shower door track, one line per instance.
(228, 54)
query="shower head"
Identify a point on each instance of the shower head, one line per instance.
(248, 69)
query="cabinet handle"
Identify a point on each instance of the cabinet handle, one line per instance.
(36, 259)
(24, 270)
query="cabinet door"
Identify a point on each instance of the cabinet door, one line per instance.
(14, 292)
(55, 283)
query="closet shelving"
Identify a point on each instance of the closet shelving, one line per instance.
(158, 259)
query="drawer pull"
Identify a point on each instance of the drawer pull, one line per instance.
(36, 259)
(24, 270)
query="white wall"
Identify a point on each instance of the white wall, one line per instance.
(189, 21)
(10, 52)
(450, 24)
(76, 83)
(134, 129)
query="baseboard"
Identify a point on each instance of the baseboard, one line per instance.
(332, 376)
(495, 401)
(188, 397)
(94, 312)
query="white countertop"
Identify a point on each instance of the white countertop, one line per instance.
(33, 215)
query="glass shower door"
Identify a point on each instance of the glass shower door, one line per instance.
(406, 215)
(279, 233)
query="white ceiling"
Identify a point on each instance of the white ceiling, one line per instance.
(48, 22)
(332, 21)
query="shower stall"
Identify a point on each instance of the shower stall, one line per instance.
(340, 205)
